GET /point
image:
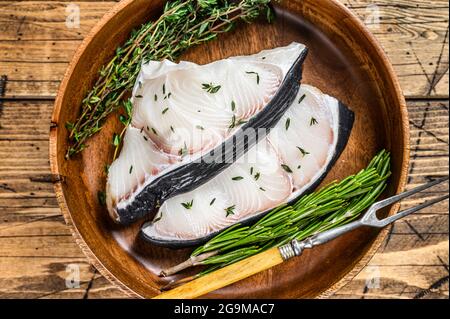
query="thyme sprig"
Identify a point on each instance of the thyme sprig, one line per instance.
(184, 23)
(334, 205)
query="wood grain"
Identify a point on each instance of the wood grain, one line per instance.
(28, 207)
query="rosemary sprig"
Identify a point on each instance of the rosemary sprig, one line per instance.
(184, 23)
(332, 206)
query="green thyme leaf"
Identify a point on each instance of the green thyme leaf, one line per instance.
(301, 99)
(188, 205)
(286, 168)
(288, 123)
(211, 88)
(304, 153)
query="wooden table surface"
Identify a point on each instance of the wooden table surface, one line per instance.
(37, 251)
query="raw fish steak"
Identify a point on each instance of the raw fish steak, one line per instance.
(189, 123)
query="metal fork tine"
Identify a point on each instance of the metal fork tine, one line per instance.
(395, 199)
(409, 211)
(369, 219)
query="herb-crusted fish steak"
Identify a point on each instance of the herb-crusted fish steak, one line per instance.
(189, 121)
(288, 163)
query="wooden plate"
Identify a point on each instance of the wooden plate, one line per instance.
(344, 61)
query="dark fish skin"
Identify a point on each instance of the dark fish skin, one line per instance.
(346, 121)
(188, 177)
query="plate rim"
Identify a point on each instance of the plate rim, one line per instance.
(358, 266)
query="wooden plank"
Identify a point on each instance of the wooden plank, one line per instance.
(47, 20)
(45, 278)
(416, 273)
(414, 35)
(36, 45)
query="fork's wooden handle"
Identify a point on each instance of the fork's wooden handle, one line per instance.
(225, 276)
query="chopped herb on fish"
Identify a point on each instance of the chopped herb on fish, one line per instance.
(230, 210)
(164, 89)
(286, 168)
(301, 99)
(131, 169)
(233, 106)
(313, 121)
(165, 110)
(288, 123)
(237, 178)
(200, 127)
(212, 202)
(183, 152)
(158, 218)
(262, 189)
(188, 205)
(156, 97)
(257, 176)
(233, 122)
(138, 96)
(211, 88)
(304, 153)
(154, 131)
